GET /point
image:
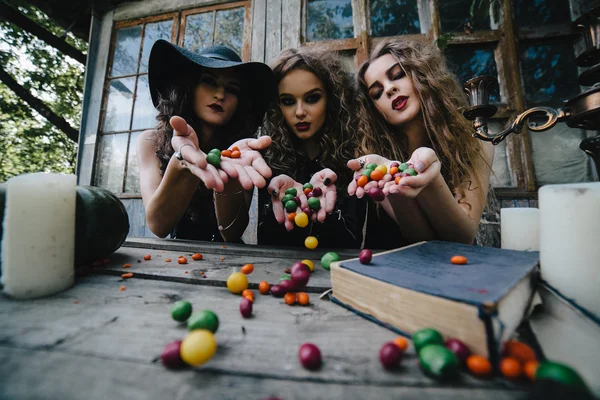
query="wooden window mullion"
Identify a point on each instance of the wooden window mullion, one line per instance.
(363, 10)
(436, 26)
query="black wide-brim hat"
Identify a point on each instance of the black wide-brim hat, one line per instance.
(168, 63)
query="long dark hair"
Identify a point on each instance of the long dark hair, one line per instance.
(337, 139)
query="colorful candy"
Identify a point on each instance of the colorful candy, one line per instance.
(214, 158)
(309, 263)
(438, 362)
(264, 287)
(197, 257)
(303, 298)
(246, 308)
(300, 277)
(328, 258)
(247, 269)
(204, 319)
(290, 298)
(237, 282)
(458, 260)
(310, 356)
(426, 336)
(374, 172)
(511, 368)
(301, 219)
(311, 242)
(171, 355)
(376, 194)
(390, 355)
(461, 350)
(314, 203)
(181, 311)
(277, 291)
(479, 365)
(198, 347)
(401, 342)
(365, 256)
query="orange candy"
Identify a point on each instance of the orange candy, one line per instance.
(376, 175)
(182, 260)
(401, 342)
(362, 181)
(393, 171)
(122, 288)
(290, 298)
(459, 260)
(197, 257)
(125, 276)
(235, 148)
(397, 179)
(247, 269)
(291, 216)
(307, 191)
(226, 153)
(248, 294)
(168, 260)
(303, 298)
(126, 265)
(264, 287)
(479, 365)
(236, 154)
(510, 368)
(530, 369)
(147, 257)
(519, 351)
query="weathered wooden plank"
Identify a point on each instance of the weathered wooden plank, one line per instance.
(273, 33)
(96, 320)
(101, 379)
(213, 269)
(291, 19)
(259, 13)
(154, 7)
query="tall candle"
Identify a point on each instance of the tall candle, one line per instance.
(519, 229)
(38, 244)
(570, 241)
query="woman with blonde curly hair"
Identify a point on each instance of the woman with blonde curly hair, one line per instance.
(413, 101)
(312, 126)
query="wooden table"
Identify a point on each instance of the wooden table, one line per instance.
(95, 341)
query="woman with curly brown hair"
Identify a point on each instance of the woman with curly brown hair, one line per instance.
(414, 101)
(205, 100)
(312, 127)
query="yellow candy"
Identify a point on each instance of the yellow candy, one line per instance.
(198, 347)
(311, 242)
(310, 264)
(382, 168)
(301, 219)
(237, 282)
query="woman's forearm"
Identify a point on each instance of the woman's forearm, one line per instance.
(411, 220)
(448, 218)
(231, 208)
(171, 199)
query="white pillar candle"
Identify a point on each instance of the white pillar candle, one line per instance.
(38, 245)
(520, 229)
(570, 241)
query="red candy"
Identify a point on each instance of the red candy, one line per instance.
(286, 286)
(300, 277)
(310, 356)
(376, 194)
(317, 192)
(458, 348)
(365, 256)
(298, 266)
(246, 308)
(170, 355)
(278, 291)
(390, 355)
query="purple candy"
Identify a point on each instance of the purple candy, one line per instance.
(394, 164)
(171, 357)
(376, 194)
(297, 200)
(310, 194)
(277, 290)
(300, 278)
(298, 266)
(365, 256)
(246, 308)
(398, 174)
(286, 286)
(459, 348)
(317, 192)
(390, 355)
(310, 356)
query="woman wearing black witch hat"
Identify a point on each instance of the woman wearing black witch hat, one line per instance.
(205, 100)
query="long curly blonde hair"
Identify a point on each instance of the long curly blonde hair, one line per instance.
(441, 100)
(337, 138)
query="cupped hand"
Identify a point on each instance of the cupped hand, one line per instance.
(250, 167)
(324, 180)
(276, 189)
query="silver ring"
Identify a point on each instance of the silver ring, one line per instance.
(362, 163)
(178, 154)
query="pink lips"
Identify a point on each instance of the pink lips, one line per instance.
(216, 107)
(399, 102)
(302, 126)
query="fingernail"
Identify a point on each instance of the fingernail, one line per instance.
(326, 181)
(274, 193)
(419, 166)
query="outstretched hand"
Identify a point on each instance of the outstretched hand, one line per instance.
(186, 142)
(428, 166)
(276, 189)
(358, 166)
(250, 167)
(324, 180)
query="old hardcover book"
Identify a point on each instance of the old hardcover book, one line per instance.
(415, 287)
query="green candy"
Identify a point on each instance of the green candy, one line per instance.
(426, 336)
(291, 191)
(328, 258)
(181, 311)
(287, 198)
(214, 159)
(307, 186)
(371, 166)
(314, 203)
(411, 172)
(204, 319)
(438, 362)
(215, 151)
(402, 167)
(285, 277)
(367, 172)
(560, 373)
(291, 206)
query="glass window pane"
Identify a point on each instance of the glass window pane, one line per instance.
(198, 31)
(329, 19)
(127, 51)
(468, 62)
(118, 105)
(454, 14)
(229, 28)
(152, 33)
(500, 173)
(348, 59)
(132, 181)
(549, 72)
(394, 17)
(538, 12)
(111, 162)
(557, 157)
(144, 113)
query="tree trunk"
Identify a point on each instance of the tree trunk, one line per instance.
(39, 106)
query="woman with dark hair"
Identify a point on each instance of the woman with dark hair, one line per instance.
(413, 101)
(206, 100)
(313, 131)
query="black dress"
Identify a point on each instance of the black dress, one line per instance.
(199, 221)
(341, 229)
